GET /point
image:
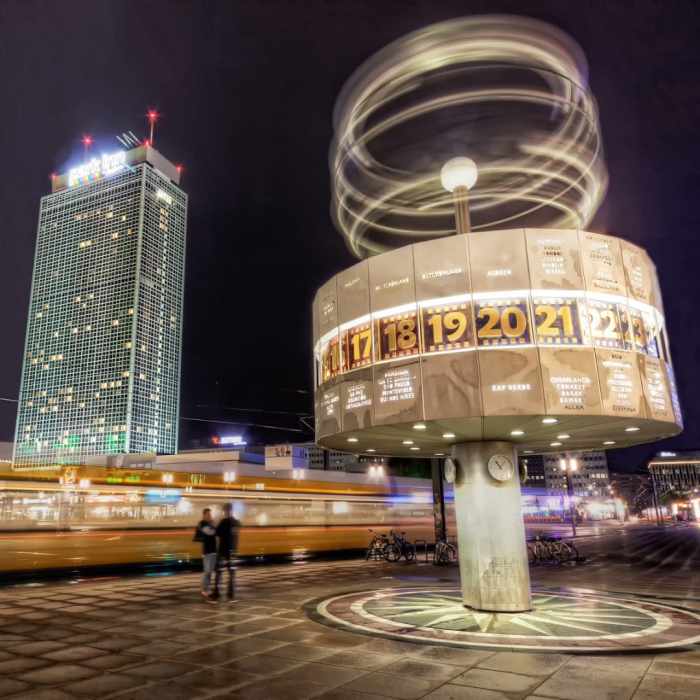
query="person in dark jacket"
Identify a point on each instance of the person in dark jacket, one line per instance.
(206, 534)
(227, 534)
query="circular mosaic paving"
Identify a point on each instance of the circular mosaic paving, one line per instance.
(561, 620)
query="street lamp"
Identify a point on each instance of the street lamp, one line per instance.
(459, 176)
(569, 468)
(376, 471)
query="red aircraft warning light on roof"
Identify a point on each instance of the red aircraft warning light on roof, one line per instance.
(152, 116)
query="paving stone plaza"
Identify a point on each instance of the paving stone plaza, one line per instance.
(152, 636)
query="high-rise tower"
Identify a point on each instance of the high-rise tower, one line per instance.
(101, 367)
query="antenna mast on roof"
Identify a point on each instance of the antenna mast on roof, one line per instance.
(87, 142)
(152, 116)
(128, 140)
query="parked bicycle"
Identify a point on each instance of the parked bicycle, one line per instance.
(550, 550)
(377, 546)
(399, 547)
(390, 547)
(444, 553)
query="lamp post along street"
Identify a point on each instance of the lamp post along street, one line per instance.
(568, 468)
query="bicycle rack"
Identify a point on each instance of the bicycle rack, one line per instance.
(424, 544)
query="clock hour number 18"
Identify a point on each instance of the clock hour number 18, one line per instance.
(397, 336)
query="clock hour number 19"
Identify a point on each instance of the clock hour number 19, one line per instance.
(446, 328)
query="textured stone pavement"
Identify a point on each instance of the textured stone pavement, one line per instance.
(153, 637)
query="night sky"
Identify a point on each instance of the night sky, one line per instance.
(246, 90)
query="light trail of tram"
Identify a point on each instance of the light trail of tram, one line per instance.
(98, 516)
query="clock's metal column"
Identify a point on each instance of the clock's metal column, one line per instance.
(491, 535)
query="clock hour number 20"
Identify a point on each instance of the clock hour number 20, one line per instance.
(502, 325)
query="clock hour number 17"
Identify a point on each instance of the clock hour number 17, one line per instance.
(358, 347)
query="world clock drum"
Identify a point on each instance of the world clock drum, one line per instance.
(522, 335)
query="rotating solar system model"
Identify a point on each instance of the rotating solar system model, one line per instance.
(483, 320)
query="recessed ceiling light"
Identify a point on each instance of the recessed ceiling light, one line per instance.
(439, 454)
(527, 452)
(370, 449)
(549, 421)
(517, 433)
(415, 448)
(563, 436)
(555, 444)
(609, 442)
(352, 440)
(631, 429)
(407, 442)
(420, 426)
(448, 436)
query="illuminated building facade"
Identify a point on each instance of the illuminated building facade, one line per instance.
(533, 467)
(308, 455)
(591, 477)
(101, 366)
(675, 471)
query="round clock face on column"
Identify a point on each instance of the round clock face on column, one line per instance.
(450, 470)
(501, 467)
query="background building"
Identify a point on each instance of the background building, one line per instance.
(590, 479)
(675, 471)
(533, 465)
(101, 369)
(308, 455)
